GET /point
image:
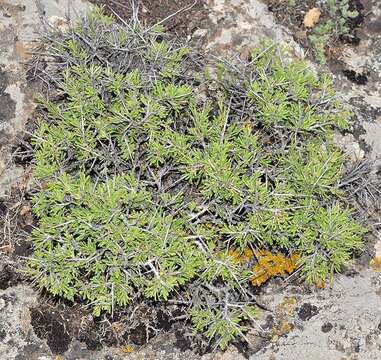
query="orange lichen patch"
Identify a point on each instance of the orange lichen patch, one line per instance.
(270, 265)
(375, 263)
(285, 327)
(235, 255)
(127, 349)
(248, 254)
(241, 258)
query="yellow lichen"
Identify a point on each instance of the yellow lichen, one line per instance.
(282, 329)
(270, 265)
(241, 258)
(248, 254)
(235, 255)
(127, 349)
(320, 284)
(375, 263)
(285, 312)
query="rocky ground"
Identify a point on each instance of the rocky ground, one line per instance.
(342, 321)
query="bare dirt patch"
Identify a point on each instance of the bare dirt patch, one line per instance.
(194, 15)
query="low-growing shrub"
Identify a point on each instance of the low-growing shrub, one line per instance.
(156, 174)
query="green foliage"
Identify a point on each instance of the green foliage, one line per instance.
(315, 169)
(144, 185)
(329, 237)
(319, 39)
(224, 325)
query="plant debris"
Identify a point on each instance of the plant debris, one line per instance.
(312, 17)
(328, 23)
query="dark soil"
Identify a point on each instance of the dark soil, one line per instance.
(359, 79)
(7, 104)
(150, 12)
(8, 277)
(48, 324)
(60, 324)
(23, 248)
(184, 343)
(3, 208)
(16, 222)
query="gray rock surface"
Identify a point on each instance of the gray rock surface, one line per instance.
(18, 340)
(21, 23)
(342, 322)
